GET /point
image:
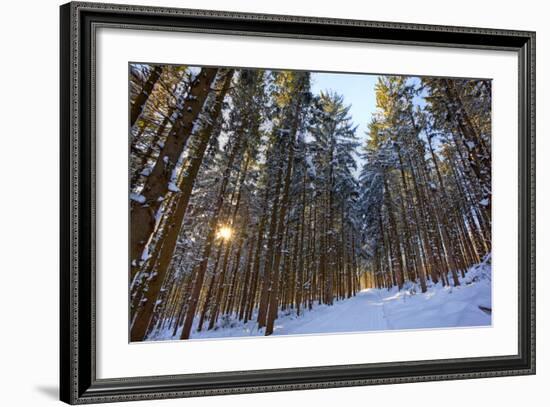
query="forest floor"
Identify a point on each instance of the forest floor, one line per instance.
(466, 305)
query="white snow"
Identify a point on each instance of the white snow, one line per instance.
(146, 171)
(443, 307)
(145, 254)
(373, 310)
(194, 71)
(310, 165)
(173, 187)
(137, 197)
(484, 202)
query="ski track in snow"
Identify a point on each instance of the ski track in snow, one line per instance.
(343, 316)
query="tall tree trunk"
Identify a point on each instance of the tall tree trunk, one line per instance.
(144, 156)
(145, 207)
(299, 294)
(265, 293)
(395, 247)
(273, 300)
(209, 292)
(138, 104)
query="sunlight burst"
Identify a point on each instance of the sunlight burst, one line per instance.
(225, 232)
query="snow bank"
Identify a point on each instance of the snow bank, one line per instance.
(442, 307)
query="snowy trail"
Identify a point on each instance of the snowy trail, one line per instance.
(467, 305)
(364, 312)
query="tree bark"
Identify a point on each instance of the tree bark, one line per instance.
(142, 215)
(138, 104)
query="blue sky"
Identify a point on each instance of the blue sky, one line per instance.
(358, 91)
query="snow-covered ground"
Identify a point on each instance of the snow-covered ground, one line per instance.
(466, 305)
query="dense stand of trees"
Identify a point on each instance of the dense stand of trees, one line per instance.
(426, 187)
(247, 199)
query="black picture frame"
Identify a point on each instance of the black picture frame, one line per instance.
(78, 382)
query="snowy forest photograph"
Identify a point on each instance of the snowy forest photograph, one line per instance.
(283, 202)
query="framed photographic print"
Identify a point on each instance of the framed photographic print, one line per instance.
(258, 203)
